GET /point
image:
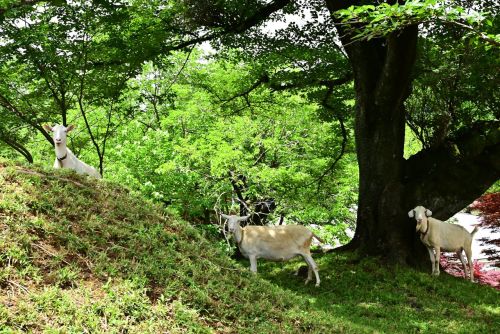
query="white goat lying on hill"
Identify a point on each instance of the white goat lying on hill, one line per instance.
(437, 235)
(276, 243)
(64, 157)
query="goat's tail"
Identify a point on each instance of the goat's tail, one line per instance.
(318, 238)
(474, 231)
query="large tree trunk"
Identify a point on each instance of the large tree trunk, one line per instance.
(382, 80)
(382, 69)
(389, 185)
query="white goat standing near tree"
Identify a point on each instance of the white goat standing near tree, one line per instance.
(437, 235)
(276, 243)
(64, 157)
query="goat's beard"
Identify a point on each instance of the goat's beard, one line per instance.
(421, 227)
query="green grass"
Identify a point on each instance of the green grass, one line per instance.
(85, 256)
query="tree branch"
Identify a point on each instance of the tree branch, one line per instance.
(449, 177)
(263, 79)
(13, 109)
(18, 147)
(82, 109)
(398, 64)
(480, 34)
(244, 209)
(343, 130)
(190, 42)
(260, 15)
(257, 17)
(310, 83)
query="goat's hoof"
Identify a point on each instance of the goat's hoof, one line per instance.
(317, 285)
(307, 281)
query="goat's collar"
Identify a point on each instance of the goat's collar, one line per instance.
(61, 159)
(425, 233)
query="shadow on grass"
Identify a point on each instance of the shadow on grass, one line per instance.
(377, 297)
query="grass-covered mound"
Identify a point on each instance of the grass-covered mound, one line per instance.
(84, 256)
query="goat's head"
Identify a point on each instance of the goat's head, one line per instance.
(59, 133)
(420, 214)
(233, 221)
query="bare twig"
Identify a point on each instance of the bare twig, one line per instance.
(43, 249)
(343, 129)
(19, 286)
(180, 70)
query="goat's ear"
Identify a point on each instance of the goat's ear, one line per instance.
(47, 127)
(224, 216)
(411, 213)
(428, 212)
(70, 127)
(242, 219)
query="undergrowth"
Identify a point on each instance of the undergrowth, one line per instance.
(85, 256)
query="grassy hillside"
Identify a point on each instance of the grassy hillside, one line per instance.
(85, 256)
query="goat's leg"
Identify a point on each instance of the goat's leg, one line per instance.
(431, 256)
(309, 271)
(468, 253)
(300, 271)
(436, 259)
(462, 259)
(312, 267)
(253, 263)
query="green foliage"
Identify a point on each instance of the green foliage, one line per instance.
(412, 144)
(133, 269)
(190, 134)
(385, 18)
(152, 126)
(63, 61)
(455, 86)
(274, 108)
(495, 188)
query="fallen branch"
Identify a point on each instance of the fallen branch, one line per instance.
(43, 249)
(19, 286)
